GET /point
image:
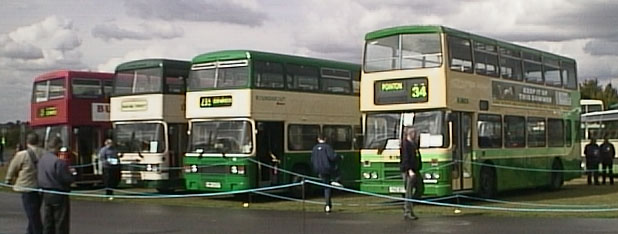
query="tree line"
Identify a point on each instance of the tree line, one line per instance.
(591, 89)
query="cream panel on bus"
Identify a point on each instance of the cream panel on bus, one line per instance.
(436, 89)
(169, 108)
(218, 103)
(137, 107)
(300, 107)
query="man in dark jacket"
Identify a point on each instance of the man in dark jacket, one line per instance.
(324, 162)
(409, 166)
(108, 157)
(54, 175)
(593, 154)
(607, 160)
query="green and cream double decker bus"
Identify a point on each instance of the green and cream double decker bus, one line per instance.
(254, 116)
(493, 116)
(150, 128)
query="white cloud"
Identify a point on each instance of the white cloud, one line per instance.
(233, 12)
(15, 50)
(49, 44)
(145, 31)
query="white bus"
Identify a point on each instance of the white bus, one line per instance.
(591, 105)
(147, 111)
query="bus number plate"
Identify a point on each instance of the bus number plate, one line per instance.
(213, 185)
(396, 189)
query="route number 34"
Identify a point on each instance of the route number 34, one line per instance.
(418, 91)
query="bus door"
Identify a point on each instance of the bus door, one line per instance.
(177, 135)
(87, 142)
(461, 123)
(269, 145)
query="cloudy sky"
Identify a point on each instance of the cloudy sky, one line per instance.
(37, 36)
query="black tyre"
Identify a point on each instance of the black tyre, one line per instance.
(556, 177)
(165, 190)
(488, 186)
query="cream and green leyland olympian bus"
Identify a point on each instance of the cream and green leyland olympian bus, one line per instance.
(254, 116)
(493, 115)
(147, 111)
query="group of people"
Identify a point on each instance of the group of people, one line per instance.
(599, 154)
(325, 162)
(35, 168)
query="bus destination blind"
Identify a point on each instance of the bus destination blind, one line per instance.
(400, 91)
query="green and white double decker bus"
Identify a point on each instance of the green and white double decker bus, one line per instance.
(493, 115)
(255, 115)
(150, 128)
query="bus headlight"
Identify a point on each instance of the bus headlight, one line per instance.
(148, 167)
(366, 175)
(436, 175)
(194, 168)
(374, 175)
(427, 176)
(155, 167)
(240, 170)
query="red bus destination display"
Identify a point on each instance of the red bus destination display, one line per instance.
(399, 91)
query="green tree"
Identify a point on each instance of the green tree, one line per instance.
(591, 89)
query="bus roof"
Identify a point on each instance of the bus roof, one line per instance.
(152, 62)
(250, 54)
(590, 102)
(608, 115)
(69, 73)
(414, 29)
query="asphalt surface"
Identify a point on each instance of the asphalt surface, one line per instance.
(93, 217)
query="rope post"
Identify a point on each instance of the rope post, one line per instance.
(303, 197)
(303, 192)
(457, 210)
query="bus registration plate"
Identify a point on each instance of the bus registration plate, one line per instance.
(396, 189)
(213, 185)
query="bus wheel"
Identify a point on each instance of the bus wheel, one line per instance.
(487, 187)
(556, 177)
(297, 191)
(165, 190)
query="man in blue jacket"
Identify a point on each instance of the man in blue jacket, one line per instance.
(54, 175)
(108, 156)
(324, 162)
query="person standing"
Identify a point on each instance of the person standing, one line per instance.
(108, 156)
(593, 154)
(55, 176)
(607, 160)
(324, 160)
(409, 167)
(22, 173)
(1, 153)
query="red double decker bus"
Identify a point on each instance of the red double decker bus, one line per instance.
(74, 106)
